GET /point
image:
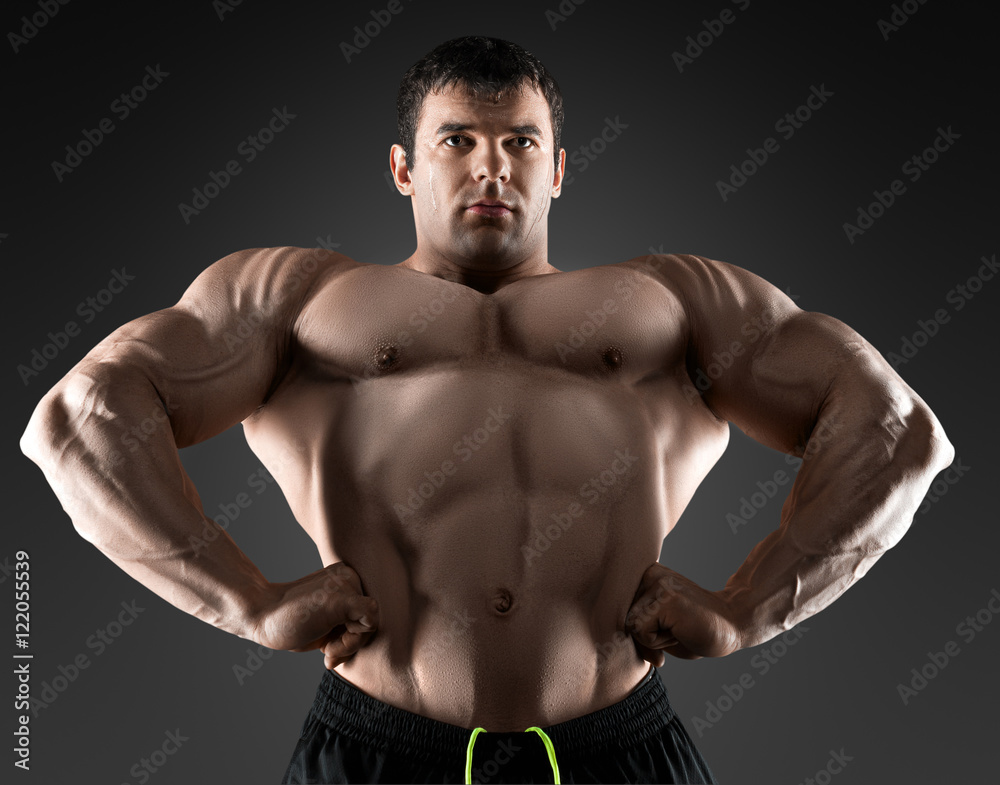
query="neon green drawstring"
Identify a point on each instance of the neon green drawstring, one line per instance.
(468, 756)
(549, 749)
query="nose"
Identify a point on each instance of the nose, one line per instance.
(491, 162)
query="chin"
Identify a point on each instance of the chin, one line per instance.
(487, 251)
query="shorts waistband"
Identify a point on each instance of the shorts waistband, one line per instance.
(352, 712)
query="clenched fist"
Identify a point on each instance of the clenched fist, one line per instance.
(324, 610)
(673, 614)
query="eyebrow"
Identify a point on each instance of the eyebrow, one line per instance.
(523, 130)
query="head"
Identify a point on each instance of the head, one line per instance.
(479, 119)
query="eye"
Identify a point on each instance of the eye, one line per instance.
(456, 136)
(523, 139)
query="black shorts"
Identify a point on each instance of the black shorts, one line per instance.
(350, 736)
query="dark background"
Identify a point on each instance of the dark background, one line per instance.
(654, 186)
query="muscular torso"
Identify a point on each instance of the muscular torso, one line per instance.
(499, 469)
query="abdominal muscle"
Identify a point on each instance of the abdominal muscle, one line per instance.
(503, 591)
(503, 595)
(477, 631)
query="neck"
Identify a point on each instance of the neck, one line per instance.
(482, 280)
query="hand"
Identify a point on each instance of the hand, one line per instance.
(324, 610)
(672, 614)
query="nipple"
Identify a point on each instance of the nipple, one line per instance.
(612, 357)
(386, 356)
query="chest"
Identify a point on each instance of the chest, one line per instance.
(608, 321)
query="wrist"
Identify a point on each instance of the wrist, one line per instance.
(744, 615)
(756, 621)
(256, 606)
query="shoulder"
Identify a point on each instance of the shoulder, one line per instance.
(678, 271)
(265, 279)
(261, 266)
(702, 283)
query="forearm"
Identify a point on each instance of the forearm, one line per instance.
(866, 467)
(103, 440)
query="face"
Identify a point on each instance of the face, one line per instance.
(469, 151)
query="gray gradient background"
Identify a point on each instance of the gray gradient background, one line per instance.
(654, 186)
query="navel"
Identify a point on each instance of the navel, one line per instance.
(503, 601)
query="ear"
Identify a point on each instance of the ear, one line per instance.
(400, 171)
(557, 179)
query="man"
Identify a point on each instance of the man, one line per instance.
(488, 453)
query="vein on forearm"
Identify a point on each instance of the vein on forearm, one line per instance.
(866, 465)
(134, 501)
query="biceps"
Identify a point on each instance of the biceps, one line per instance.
(209, 372)
(778, 385)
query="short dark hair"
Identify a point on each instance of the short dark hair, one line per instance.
(488, 68)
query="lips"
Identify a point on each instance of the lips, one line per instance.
(490, 207)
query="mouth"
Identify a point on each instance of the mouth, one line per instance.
(491, 207)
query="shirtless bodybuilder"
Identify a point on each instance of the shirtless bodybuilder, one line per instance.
(488, 453)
